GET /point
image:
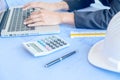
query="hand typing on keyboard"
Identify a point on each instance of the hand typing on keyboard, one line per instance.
(43, 17)
(17, 20)
(47, 16)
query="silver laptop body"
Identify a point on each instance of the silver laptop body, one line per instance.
(11, 24)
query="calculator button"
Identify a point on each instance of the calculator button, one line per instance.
(44, 45)
(41, 42)
(48, 48)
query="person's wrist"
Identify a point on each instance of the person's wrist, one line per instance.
(67, 18)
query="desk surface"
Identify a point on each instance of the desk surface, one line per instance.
(17, 64)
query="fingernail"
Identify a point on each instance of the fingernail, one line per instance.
(29, 25)
(25, 23)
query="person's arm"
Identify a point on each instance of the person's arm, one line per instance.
(62, 5)
(69, 5)
(78, 4)
(96, 20)
(46, 17)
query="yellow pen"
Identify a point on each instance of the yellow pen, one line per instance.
(87, 34)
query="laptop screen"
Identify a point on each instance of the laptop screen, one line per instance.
(3, 5)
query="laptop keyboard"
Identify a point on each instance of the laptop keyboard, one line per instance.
(1, 16)
(18, 17)
(4, 17)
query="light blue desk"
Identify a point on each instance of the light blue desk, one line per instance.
(17, 64)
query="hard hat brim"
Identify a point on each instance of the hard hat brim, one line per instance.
(97, 58)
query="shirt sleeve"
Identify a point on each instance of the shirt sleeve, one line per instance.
(78, 4)
(98, 19)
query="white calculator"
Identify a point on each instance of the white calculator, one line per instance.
(45, 45)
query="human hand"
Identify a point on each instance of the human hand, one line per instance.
(41, 5)
(43, 17)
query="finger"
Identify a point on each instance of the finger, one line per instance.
(30, 21)
(37, 24)
(32, 16)
(30, 5)
(36, 13)
(35, 16)
(27, 6)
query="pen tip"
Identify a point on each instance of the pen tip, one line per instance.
(46, 66)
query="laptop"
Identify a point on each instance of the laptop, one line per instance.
(11, 24)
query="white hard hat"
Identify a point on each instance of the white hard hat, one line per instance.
(106, 53)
